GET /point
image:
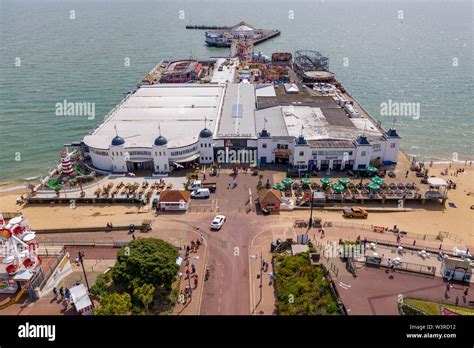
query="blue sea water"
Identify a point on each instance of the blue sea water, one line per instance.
(47, 57)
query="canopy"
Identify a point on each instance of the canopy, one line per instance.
(326, 181)
(306, 181)
(344, 181)
(287, 181)
(80, 298)
(279, 186)
(374, 187)
(372, 169)
(338, 187)
(437, 182)
(377, 180)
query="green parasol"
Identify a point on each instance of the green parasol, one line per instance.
(377, 180)
(372, 169)
(306, 181)
(374, 187)
(344, 181)
(287, 181)
(338, 187)
(279, 186)
(326, 181)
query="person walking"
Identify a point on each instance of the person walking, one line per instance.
(55, 292)
(61, 292)
(414, 242)
(201, 237)
(67, 294)
(195, 282)
(193, 268)
(65, 303)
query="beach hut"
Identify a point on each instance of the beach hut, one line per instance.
(456, 269)
(174, 200)
(269, 199)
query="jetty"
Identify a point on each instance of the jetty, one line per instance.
(221, 36)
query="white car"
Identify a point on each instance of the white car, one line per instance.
(217, 222)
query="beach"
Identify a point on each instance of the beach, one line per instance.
(428, 219)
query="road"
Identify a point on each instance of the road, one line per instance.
(227, 290)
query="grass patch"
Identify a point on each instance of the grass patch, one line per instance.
(434, 308)
(302, 288)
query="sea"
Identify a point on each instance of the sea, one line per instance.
(385, 52)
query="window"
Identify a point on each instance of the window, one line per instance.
(363, 153)
(202, 145)
(264, 146)
(166, 166)
(392, 145)
(301, 153)
(156, 154)
(158, 167)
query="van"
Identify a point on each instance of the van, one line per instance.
(201, 193)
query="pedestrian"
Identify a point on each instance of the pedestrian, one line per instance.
(187, 273)
(61, 292)
(195, 282)
(67, 294)
(198, 243)
(204, 176)
(466, 292)
(55, 292)
(133, 236)
(65, 303)
(448, 286)
(440, 247)
(414, 242)
(457, 300)
(201, 237)
(406, 174)
(187, 248)
(193, 268)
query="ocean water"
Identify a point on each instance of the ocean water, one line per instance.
(47, 57)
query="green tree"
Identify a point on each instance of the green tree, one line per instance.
(145, 294)
(115, 304)
(146, 261)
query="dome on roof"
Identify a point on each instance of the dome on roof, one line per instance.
(117, 141)
(264, 134)
(205, 133)
(301, 140)
(160, 141)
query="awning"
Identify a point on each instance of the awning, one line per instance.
(187, 159)
(80, 298)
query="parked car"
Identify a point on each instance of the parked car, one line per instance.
(217, 223)
(201, 193)
(355, 212)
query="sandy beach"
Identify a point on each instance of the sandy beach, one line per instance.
(428, 219)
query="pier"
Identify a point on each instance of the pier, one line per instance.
(221, 36)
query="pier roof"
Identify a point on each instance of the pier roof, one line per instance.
(179, 109)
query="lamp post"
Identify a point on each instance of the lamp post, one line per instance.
(311, 211)
(81, 256)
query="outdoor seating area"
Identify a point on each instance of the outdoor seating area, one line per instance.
(346, 189)
(138, 190)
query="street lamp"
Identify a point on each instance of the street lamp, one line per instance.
(81, 256)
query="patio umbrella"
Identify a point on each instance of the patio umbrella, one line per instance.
(377, 180)
(338, 187)
(372, 169)
(279, 186)
(344, 181)
(326, 181)
(374, 187)
(287, 181)
(306, 181)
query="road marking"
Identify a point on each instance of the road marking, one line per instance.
(344, 286)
